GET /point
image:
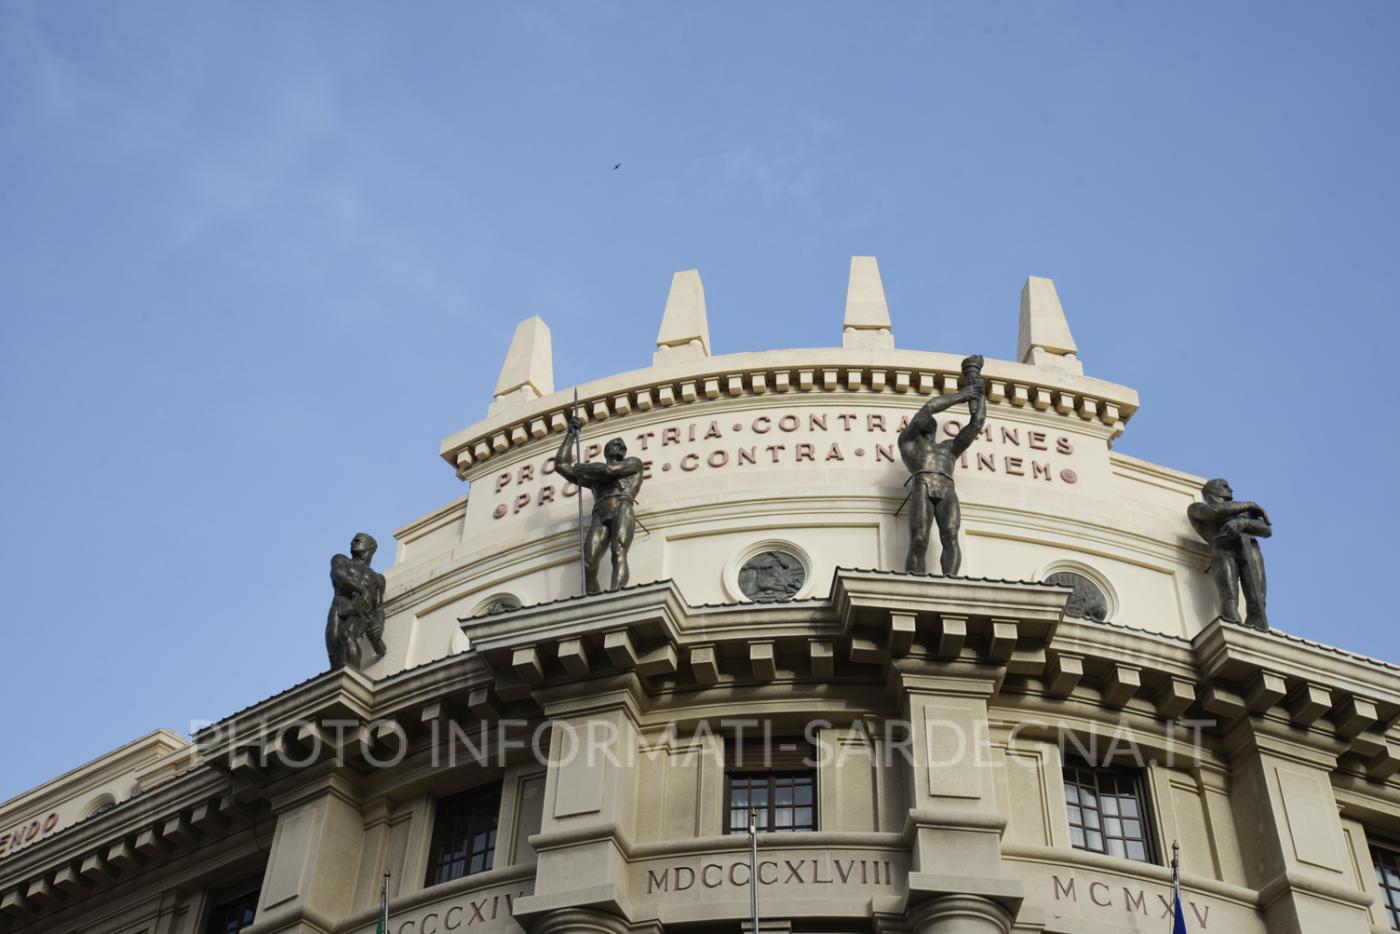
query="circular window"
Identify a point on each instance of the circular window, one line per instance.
(770, 576)
(495, 606)
(1087, 601)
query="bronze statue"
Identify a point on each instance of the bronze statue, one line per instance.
(1236, 562)
(615, 483)
(357, 609)
(930, 461)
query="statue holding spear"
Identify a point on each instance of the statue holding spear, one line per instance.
(615, 482)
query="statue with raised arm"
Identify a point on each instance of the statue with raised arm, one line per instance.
(357, 607)
(930, 461)
(615, 483)
(1231, 528)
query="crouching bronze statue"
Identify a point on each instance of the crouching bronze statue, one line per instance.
(1232, 527)
(357, 608)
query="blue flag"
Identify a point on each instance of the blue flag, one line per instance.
(1178, 916)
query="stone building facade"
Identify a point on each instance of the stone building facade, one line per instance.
(1016, 749)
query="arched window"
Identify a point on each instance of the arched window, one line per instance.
(103, 802)
(496, 605)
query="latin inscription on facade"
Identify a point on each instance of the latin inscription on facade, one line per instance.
(825, 437)
(27, 833)
(733, 873)
(474, 911)
(1119, 897)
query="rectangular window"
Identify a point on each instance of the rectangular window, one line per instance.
(776, 780)
(231, 914)
(464, 834)
(1107, 811)
(1387, 861)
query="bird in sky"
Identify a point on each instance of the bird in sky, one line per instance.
(616, 166)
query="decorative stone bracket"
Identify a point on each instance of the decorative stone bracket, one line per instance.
(869, 618)
(56, 880)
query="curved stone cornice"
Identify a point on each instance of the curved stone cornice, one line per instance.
(1238, 652)
(882, 622)
(1285, 883)
(155, 747)
(812, 373)
(871, 616)
(121, 824)
(150, 837)
(956, 911)
(1150, 872)
(648, 647)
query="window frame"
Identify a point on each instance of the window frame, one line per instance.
(1391, 907)
(775, 766)
(477, 797)
(223, 898)
(1137, 779)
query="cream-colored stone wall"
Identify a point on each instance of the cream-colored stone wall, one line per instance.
(942, 710)
(77, 795)
(1243, 762)
(735, 462)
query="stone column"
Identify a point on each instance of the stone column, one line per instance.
(960, 914)
(587, 921)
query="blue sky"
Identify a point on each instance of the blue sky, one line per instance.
(258, 259)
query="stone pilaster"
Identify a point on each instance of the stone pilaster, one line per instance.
(1281, 796)
(589, 802)
(374, 851)
(309, 885)
(954, 825)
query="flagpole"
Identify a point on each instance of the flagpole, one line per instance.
(753, 868)
(383, 926)
(1178, 921)
(578, 491)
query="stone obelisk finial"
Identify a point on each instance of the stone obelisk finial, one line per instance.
(685, 331)
(528, 372)
(1045, 339)
(867, 323)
